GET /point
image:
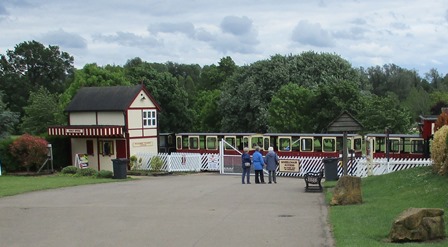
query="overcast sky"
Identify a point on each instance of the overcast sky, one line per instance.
(412, 34)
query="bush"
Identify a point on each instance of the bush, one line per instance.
(29, 151)
(105, 174)
(156, 164)
(439, 151)
(70, 170)
(87, 172)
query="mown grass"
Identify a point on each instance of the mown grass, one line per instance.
(13, 185)
(384, 198)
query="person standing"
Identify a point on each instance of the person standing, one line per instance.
(245, 159)
(258, 161)
(271, 161)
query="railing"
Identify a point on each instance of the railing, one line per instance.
(231, 164)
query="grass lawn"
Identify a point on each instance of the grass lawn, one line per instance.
(384, 198)
(13, 185)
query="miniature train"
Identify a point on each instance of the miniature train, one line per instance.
(298, 144)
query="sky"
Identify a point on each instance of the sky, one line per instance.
(412, 34)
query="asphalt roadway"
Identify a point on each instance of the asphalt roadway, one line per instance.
(197, 210)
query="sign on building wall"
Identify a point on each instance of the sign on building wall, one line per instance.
(289, 166)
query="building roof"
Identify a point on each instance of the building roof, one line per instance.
(115, 98)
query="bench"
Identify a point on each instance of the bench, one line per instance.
(313, 181)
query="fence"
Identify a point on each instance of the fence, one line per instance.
(231, 164)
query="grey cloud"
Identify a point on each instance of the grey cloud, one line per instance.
(204, 35)
(3, 11)
(446, 15)
(186, 28)
(311, 34)
(128, 39)
(354, 33)
(399, 25)
(236, 25)
(359, 21)
(228, 44)
(65, 39)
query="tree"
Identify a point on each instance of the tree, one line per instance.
(41, 112)
(176, 116)
(207, 115)
(290, 110)
(332, 99)
(418, 102)
(32, 65)
(29, 151)
(380, 112)
(439, 152)
(8, 119)
(441, 121)
(92, 75)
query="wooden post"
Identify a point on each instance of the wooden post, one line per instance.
(344, 154)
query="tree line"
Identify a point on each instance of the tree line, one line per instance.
(285, 93)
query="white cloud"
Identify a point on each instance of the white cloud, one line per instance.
(311, 34)
(411, 34)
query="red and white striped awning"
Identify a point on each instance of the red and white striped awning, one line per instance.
(104, 131)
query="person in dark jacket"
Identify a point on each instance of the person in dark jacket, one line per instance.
(245, 159)
(258, 161)
(271, 160)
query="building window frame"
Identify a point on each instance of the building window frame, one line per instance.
(149, 118)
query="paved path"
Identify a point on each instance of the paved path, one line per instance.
(198, 210)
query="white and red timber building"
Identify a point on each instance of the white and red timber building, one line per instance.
(108, 123)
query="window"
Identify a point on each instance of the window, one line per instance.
(329, 144)
(307, 144)
(107, 148)
(149, 118)
(284, 143)
(212, 143)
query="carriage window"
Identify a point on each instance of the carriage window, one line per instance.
(212, 143)
(329, 145)
(202, 142)
(357, 144)
(185, 142)
(246, 142)
(379, 145)
(416, 146)
(284, 144)
(179, 142)
(194, 142)
(295, 144)
(231, 141)
(394, 146)
(266, 142)
(307, 145)
(257, 141)
(170, 139)
(318, 144)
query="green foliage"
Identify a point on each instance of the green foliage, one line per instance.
(384, 198)
(61, 151)
(40, 112)
(32, 65)
(8, 119)
(291, 109)
(156, 164)
(439, 151)
(207, 115)
(135, 163)
(381, 112)
(105, 174)
(9, 163)
(29, 150)
(70, 170)
(87, 172)
(332, 98)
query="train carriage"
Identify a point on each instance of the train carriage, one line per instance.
(400, 145)
(209, 142)
(313, 145)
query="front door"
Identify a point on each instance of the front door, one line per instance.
(121, 149)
